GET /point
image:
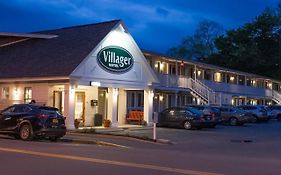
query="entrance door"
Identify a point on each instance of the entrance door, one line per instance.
(80, 106)
(57, 100)
(102, 102)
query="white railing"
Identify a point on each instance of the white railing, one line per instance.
(173, 80)
(203, 91)
(208, 95)
(276, 96)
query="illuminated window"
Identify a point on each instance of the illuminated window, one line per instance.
(27, 94)
(217, 77)
(5, 93)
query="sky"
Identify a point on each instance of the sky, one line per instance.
(156, 25)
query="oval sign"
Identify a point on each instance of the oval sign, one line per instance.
(115, 59)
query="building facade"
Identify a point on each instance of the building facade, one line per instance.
(99, 69)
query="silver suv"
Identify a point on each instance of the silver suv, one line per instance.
(259, 113)
(234, 116)
(274, 112)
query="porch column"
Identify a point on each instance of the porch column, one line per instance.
(69, 106)
(112, 106)
(122, 106)
(148, 106)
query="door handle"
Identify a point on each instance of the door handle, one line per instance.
(7, 118)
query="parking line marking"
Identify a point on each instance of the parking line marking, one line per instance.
(109, 162)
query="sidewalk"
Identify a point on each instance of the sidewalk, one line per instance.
(120, 137)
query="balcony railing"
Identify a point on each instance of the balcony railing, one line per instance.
(173, 81)
(238, 89)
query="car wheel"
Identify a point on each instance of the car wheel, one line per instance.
(255, 119)
(233, 121)
(26, 132)
(187, 125)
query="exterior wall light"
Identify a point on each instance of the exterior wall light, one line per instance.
(161, 98)
(199, 72)
(182, 63)
(161, 66)
(156, 65)
(232, 78)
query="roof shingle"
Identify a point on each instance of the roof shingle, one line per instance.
(52, 57)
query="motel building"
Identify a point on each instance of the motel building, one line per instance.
(98, 71)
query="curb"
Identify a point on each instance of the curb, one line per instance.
(93, 142)
(159, 141)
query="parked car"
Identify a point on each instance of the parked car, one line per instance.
(185, 117)
(258, 112)
(274, 112)
(208, 111)
(27, 121)
(234, 116)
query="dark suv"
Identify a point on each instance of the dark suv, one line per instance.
(27, 121)
(185, 117)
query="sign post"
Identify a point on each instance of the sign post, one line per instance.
(155, 121)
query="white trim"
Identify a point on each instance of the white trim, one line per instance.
(7, 80)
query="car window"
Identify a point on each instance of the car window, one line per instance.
(22, 109)
(194, 111)
(275, 107)
(9, 110)
(224, 109)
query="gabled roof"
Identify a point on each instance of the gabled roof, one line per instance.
(55, 56)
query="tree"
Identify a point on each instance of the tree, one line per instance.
(254, 47)
(201, 44)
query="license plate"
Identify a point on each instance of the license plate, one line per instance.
(56, 121)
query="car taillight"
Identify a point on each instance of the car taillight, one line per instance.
(42, 116)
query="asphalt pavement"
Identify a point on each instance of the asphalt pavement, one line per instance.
(250, 149)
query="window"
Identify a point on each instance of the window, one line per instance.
(27, 94)
(5, 93)
(218, 77)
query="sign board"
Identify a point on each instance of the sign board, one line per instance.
(115, 59)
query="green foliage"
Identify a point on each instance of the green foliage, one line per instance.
(201, 44)
(254, 47)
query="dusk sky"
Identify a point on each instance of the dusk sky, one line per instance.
(156, 25)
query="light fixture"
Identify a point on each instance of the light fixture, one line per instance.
(182, 63)
(156, 65)
(161, 97)
(93, 83)
(231, 78)
(161, 66)
(199, 72)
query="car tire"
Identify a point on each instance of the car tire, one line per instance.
(255, 119)
(187, 125)
(26, 132)
(233, 121)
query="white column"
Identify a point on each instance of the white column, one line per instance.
(122, 106)
(69, 105)
(112, 106)
(148, 106)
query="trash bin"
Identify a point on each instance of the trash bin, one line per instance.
(98, 120)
